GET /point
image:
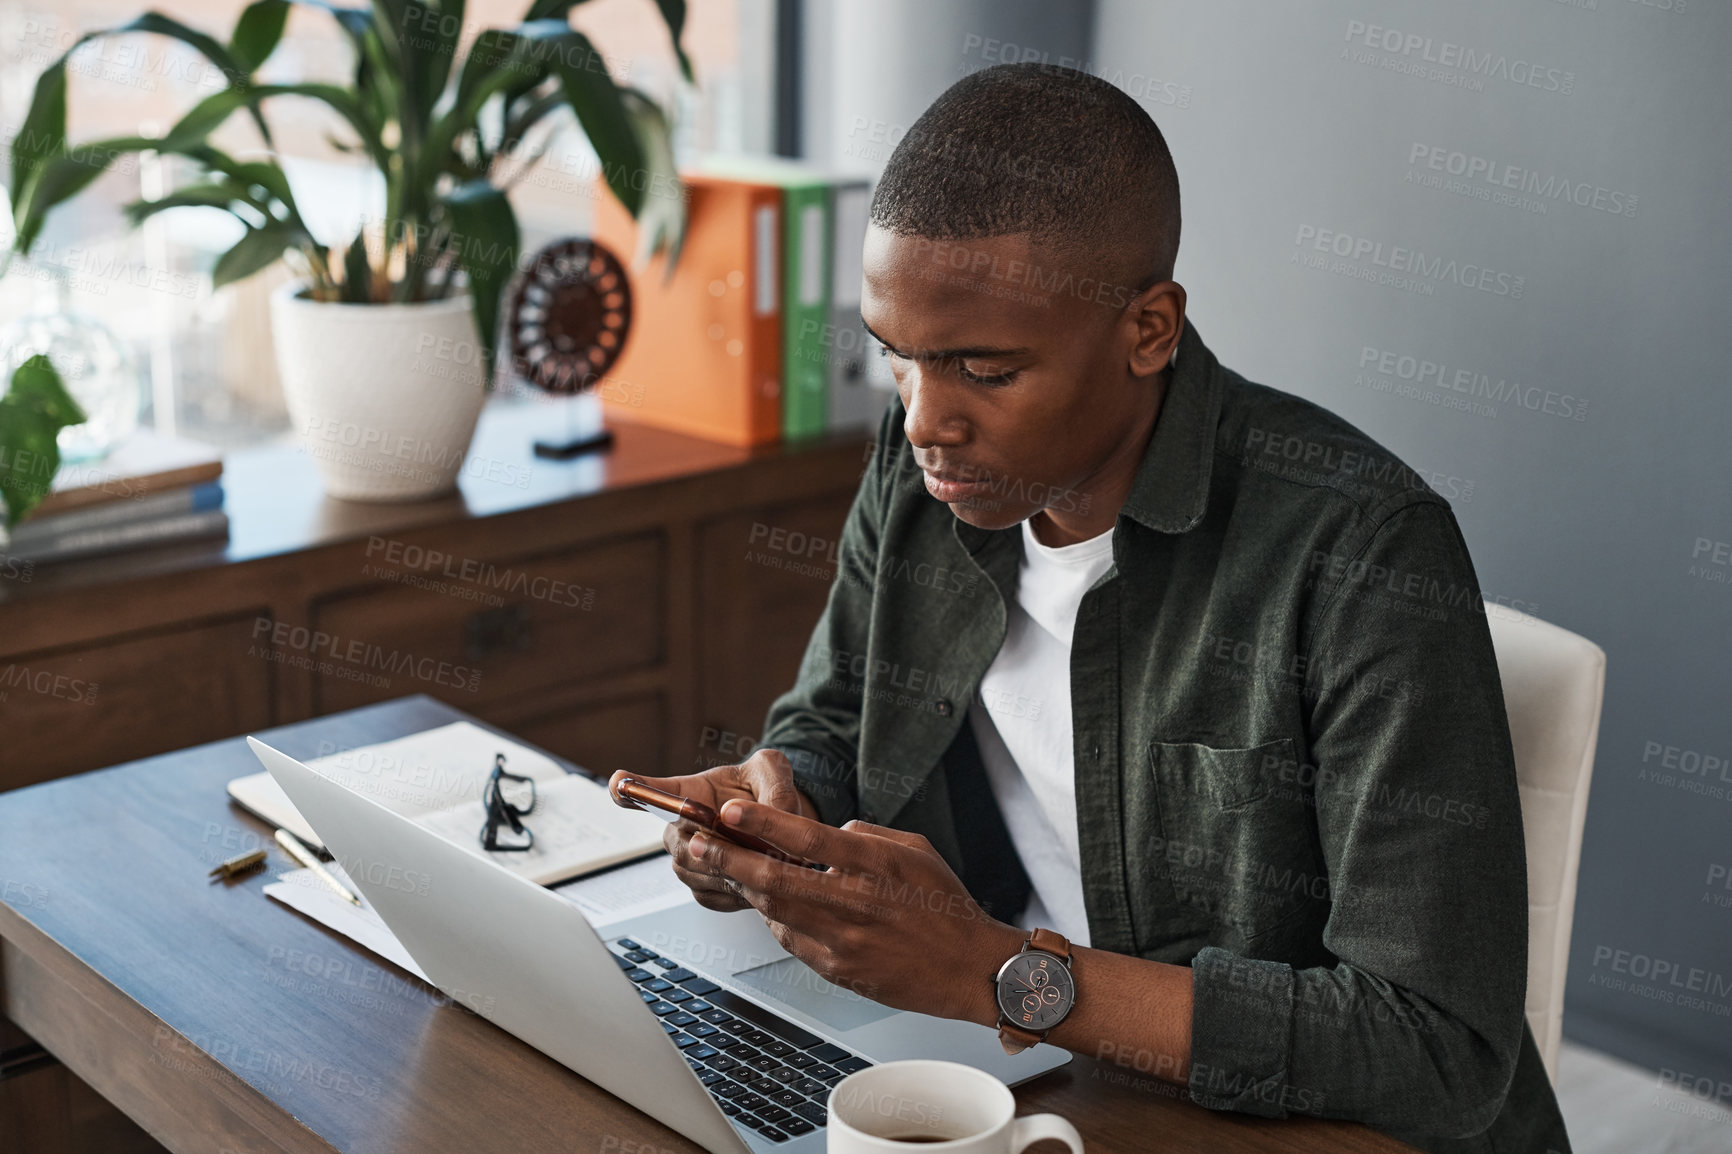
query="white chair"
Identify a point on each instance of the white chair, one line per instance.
(1553, 683)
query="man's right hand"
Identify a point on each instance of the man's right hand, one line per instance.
(764, 777)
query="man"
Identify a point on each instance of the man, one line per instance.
(1182, 673)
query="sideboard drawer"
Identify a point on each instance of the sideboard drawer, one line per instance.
(472, 632)
(83, 707)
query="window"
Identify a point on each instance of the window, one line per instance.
(203, 358)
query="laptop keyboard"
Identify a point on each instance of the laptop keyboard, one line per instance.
(764, 1071)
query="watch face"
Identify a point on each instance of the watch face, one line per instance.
(1035, 990)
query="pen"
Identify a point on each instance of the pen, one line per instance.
(238, 864)
(305, 856)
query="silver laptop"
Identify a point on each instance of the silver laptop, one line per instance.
(699, 1019)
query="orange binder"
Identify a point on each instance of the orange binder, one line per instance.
(704, 352)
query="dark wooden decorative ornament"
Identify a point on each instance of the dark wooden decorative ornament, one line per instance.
(567, 321)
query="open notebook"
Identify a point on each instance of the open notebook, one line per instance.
(437, 777)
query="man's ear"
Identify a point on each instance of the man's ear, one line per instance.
(1159, 315)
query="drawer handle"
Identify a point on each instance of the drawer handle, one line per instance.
(502, 630)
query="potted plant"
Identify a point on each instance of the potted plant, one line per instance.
(386, 346)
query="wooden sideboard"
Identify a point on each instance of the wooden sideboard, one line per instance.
(636, 609)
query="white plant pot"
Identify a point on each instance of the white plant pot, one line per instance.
(383, 397)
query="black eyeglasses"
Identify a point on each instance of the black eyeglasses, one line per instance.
(504, 798)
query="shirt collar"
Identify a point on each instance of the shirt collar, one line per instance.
(1171, 489)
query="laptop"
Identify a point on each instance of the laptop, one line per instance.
(697, 1018)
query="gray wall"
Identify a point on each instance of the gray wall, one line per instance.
(872, 66)
(1589, 508)
(1592, 470)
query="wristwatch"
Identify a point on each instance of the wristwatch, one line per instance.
(1035, 991)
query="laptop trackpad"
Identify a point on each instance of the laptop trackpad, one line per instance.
(795, 984)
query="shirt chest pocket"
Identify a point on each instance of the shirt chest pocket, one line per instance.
(1236, 849)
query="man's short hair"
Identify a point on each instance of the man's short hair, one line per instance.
(1033, 148)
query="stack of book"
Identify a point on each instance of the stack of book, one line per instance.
(757, 335)
(152, 490)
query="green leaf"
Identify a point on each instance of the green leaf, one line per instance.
(357, 274)
(592, 95)
(551, 9)
(662, 215)
(258, 248)
(223, 194)
(62, 177)
(32, 413)
(41, 137)
(204, 118)
(161, 25)
(485, 242)
(354, 21)
(492, 49)
(343, 103)
(442, 51)
(257, 32)
(250, 174)
(525, 118)
(266, 175)
(674, 13)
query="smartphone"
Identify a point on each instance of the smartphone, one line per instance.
(641, 795)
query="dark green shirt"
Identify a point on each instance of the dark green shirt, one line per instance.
(1293, 767)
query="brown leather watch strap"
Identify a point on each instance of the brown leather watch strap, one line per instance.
(1013, 1038)
(1051, 942)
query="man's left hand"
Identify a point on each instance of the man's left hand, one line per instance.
(888, 920)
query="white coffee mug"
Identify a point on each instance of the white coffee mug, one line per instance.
(939, 1106)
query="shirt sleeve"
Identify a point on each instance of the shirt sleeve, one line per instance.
(817, 722)
(1418, 1025)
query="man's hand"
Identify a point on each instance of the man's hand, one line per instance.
(765, 778)
(889, 920)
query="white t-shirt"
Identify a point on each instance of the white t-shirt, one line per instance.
(1022, 723)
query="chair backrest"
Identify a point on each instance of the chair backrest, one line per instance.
(1553, 683)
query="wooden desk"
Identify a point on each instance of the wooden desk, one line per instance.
(222, 1021)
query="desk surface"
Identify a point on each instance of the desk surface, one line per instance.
(220, 1020)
